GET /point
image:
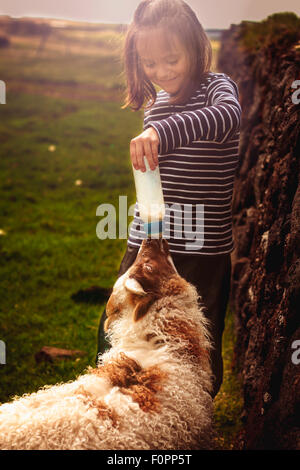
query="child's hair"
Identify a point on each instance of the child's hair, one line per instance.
(176, 17)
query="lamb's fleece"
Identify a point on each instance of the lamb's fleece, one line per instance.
(151, 390)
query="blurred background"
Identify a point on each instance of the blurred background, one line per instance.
(64, 151)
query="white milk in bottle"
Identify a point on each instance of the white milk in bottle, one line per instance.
(150, 199)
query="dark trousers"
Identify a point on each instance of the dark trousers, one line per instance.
(210, 274)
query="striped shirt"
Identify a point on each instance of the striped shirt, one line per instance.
(198, 155)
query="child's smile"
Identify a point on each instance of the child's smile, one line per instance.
(165, 64)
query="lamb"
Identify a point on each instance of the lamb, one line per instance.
(151, 390)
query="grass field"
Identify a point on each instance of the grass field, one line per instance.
(64, 151)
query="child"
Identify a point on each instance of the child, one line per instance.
(191, 130)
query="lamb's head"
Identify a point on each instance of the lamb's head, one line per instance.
(152, 291)
(152, 276)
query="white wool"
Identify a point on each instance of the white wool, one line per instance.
(64, 416)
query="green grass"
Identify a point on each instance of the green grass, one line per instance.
(228, 404)
(63, 69)
(280, 28)
(48, 244)
(49, 249)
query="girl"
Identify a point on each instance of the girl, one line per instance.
(191, 130)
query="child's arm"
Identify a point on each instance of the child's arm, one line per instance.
(218, 121)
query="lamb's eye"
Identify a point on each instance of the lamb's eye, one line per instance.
(148, 268)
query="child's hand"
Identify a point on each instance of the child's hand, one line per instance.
(145, 144)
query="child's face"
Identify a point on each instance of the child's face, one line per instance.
(166, 66)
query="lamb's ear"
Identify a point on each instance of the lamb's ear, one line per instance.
(112, 311)
(107, 322)
(164, 246)
(133, 286)
(142, 307)
(112, 308)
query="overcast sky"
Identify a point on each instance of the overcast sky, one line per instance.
(211, 13)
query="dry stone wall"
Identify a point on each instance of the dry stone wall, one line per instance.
(265, 293)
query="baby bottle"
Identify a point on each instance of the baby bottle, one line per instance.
(150, 199)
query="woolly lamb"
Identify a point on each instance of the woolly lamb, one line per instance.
(151, 390)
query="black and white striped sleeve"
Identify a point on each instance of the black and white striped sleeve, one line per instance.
(218, 121)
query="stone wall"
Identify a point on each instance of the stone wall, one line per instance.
(265, 292)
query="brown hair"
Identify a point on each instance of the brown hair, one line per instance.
(176, 17)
